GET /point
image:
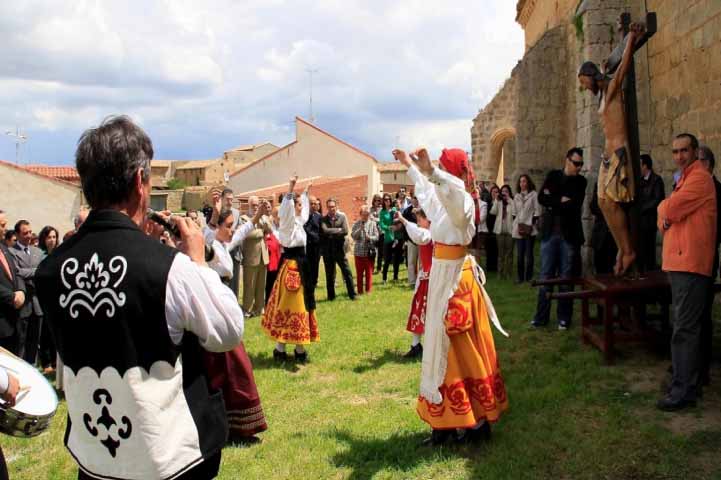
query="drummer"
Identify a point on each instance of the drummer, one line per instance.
(137, 396)
(9, 387)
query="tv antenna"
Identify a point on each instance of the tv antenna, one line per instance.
(19, 138)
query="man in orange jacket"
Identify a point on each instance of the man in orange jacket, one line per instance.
(687, 220)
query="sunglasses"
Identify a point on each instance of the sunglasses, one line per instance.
(577, 164)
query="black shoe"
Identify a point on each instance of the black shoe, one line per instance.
(478, 435)
(415, 351)
(668, 404)
(535, 324)
(301, 357)
(438, 437)
(279, 356)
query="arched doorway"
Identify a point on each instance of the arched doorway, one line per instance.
(503, 153)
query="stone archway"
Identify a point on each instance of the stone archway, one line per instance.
(503, 154)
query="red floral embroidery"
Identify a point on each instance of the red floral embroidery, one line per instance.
(435, 410)
(458, 398)
(458, 318)
(499, 388)
(292, 280)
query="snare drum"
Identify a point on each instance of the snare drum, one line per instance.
(35, 404)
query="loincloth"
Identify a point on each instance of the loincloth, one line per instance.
(615, 177)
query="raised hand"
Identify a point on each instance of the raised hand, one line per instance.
(402, 157)
(12, 392)
(291, 183)
(423, 160)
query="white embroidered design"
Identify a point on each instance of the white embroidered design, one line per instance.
(90, 289)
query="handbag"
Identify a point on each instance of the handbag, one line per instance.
(525, 230)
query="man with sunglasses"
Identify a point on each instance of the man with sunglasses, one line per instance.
(562, 196)
(687, 221)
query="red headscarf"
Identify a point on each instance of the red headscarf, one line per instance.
(455, 162)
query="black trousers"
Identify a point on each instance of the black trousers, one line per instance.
(330, 260)
(706, 351)
(604, 257)
(269, 282)
(312, 255)
(392, 254)
(525, 258)
(48, 354)
(379, 253)
(647, 247)
(689, 293)
(28, 332)
(491, 252)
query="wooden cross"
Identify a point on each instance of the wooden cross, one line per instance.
(631, 108)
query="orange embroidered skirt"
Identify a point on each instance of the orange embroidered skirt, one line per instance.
(286, 319)
(473, 388)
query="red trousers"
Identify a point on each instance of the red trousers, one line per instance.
(364, 271)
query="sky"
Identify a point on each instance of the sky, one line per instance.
(204, 77)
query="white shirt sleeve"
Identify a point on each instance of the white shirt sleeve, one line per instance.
(305, 208)
(4, 380)
(287, 214)
(239, 235)
(426, 194)
(418, 235)
(221, 263)
(197, 301)
(453, 196)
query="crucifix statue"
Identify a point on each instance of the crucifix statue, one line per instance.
(619, 172)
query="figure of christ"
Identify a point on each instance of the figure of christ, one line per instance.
(616, 182)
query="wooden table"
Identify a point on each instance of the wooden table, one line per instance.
(621, 308)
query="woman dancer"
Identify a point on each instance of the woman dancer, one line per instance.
(420, 235)
(232, 372)
(461, 384)
(290, 313)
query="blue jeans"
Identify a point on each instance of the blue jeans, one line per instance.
(525, 258)
(557, 261)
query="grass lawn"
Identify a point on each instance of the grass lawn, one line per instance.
(350, 412)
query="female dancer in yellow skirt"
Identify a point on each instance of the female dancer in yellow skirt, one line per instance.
(290, 312)
(461, 385)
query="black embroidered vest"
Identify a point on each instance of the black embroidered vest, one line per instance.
(138, 405)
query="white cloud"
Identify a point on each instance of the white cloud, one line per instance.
(205, 76)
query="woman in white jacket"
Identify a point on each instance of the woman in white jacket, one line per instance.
(526, 211)
(503, 228)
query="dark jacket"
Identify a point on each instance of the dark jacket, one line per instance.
(26, 264)
(651, 194)
(8, 287)
(334, 232)
(567, 214)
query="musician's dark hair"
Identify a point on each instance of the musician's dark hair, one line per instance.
(575, 150)
(19, 224)
(44, 234)
(9, 234)
(420, 213)
(331, 199)
(108, 157)
(226, 191)
(647, 160)
(692, 138)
